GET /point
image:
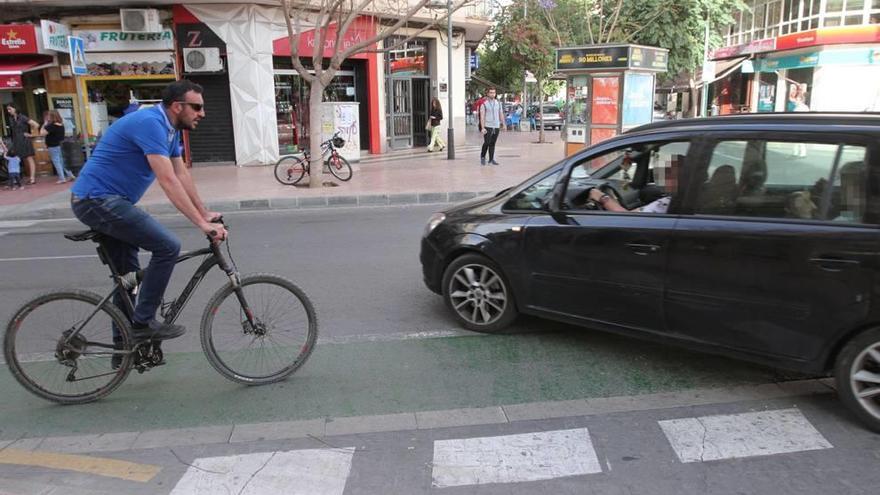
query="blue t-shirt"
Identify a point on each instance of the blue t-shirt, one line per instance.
(119, 163)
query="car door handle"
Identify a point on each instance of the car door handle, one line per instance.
(834, 264)
(642, 249)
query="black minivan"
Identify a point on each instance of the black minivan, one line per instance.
(752, 236)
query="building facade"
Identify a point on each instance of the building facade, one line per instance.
(240, 52)
(800, 55)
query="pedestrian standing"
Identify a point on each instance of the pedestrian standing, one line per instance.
(53, 129)
(13, 168)
(436, 118)
(21, 139)
(491, 123)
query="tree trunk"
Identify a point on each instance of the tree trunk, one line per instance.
(692, 93)
(316, 163)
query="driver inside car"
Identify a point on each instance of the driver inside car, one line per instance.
(607, 202)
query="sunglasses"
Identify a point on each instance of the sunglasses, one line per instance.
(195, 106)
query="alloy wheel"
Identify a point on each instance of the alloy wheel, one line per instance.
(865, 379)
(478, 294)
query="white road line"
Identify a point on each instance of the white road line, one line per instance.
(306, 472)
(13, 224)
(68, 257)
(732, 436)
(514, 458)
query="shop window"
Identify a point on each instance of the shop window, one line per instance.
(833, 6)
(406, 59)
(853, 20)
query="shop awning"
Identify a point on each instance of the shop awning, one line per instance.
(19, 65)
(12, 69)
(723, 68)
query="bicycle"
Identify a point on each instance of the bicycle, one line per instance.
(290, 169)
(74, 346)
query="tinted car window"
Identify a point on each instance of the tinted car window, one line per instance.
(551, 109)
(532, 197)
(779, 179)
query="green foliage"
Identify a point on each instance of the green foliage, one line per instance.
(517, 44)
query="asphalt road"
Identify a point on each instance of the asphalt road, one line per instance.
(391, 369)
(359, 267)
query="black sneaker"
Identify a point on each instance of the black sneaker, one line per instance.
(482, 161)
(154, 330)
(493, 162)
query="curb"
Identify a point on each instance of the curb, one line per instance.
(279, 203)
(422, 420)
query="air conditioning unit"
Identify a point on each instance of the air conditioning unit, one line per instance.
(202, 60)
(140, 20)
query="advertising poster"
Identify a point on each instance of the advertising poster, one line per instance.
(599, 135)
(605, 91)
(638, 99)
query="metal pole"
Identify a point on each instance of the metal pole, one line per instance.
(704, 105)
(83, 120)
(525, 104)
(450, 133)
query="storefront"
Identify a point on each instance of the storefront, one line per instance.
(126, 72)
(22, 81)
(350, 84)
(408, 91)
(808, 71)
(202, 59)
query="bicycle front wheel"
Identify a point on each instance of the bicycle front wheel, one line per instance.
(290, 169)
(339, 167)
(277, 343)
(50, 363)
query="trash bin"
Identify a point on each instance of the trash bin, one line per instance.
(74, 156)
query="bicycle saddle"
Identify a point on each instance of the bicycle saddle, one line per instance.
(82, 235)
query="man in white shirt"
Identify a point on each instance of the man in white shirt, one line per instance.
(491, 123)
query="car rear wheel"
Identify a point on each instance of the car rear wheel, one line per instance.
(478, 294)
(857, 372)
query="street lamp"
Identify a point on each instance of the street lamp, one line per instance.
(450, 133)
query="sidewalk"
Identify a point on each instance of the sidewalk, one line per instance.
(402, 177)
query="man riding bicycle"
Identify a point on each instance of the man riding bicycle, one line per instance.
(137, 149)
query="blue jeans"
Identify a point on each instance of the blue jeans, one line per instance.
(58, 161)
(129, 229)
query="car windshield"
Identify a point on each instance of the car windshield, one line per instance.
(551, 109)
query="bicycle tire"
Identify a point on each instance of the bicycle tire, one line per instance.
(211, 335)
(339, 167)
(289, 170)
(16, 357)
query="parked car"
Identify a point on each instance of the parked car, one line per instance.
(553, 118)
(769, 250)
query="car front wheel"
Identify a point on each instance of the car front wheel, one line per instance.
(857, 372)
(478, 294)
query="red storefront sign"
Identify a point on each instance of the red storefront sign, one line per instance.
(360, 30)
(757, 46)
(18, 39)
(10, 82)
(830, 36)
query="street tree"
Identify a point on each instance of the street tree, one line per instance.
(330, 20)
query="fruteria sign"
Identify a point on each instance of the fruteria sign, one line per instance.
(54, 36)
(114, 40)
(18, 39)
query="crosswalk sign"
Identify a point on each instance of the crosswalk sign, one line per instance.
(77, 55)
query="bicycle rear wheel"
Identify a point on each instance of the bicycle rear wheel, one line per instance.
(280, 341)
(339, 167)
(290, 169)
(72, 372)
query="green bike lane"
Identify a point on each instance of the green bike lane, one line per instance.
(370, 378)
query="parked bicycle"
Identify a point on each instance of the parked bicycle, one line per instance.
(290, 169)
(256, 329)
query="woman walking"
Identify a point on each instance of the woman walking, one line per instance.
(53, 129)
(436, 118)
(21, 139)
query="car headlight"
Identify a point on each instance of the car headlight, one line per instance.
(433, 222)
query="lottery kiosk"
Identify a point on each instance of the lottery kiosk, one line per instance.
(610, 88)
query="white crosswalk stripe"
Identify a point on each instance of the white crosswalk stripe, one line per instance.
(731, 436)
(306, 472)
(514, 458)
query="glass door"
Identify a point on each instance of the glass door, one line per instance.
(401, 113)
